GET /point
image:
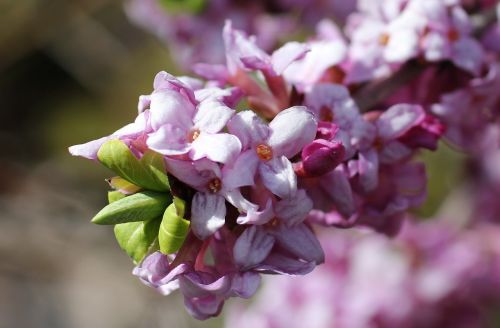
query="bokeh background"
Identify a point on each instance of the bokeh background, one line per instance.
(72, 71)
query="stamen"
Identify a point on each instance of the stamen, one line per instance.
(384, 39)
(193, 135)
(264, 152)
(214, 185)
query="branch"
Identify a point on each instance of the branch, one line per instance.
(375, 92)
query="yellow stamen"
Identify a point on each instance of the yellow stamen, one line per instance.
(193, 135)
(264, 152)
(384, 39)
(214, 185)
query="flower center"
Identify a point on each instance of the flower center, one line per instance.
(193, 135)
(383, 39)
(325, 114)
(214, 185)
(273, 223)
(453, 35)
(264, 152)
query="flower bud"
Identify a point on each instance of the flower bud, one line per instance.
(321, 156)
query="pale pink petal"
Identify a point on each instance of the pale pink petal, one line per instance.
(254, 216)
(287, 54)
(170, 107)
(190, 173)
(221, 147)
(300, 241)
(291, 130)
(212, 116)
(402, 46)
(241, 172)
(235, 198)
(212, 72)
(368, 169)
(169, 140)
(238, 45)
(166, 81)
(252, 247)
(336, 185)
(278, 176)
(468, 54)
(398, 119)
(294, 210)
(208, 212)
(245, 284)
(394, 151)
(88, 150)
(249, 128)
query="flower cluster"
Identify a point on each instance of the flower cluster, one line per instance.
(432, 275)
(223, 177)
(180, 24)
(386, 34)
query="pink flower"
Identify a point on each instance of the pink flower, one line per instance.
(432, 275)
(183, 125)
(272, 146)
(448, 35)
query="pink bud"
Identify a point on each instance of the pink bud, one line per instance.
(321, 156)
(425, 135)
(326, 130)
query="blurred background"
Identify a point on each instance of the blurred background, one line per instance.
(70, 72)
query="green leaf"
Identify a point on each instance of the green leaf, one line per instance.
(123, 186)
(173, 229)
(113, 196)
(149, 172)
(136, 238)
(183, 6)
(142, 206)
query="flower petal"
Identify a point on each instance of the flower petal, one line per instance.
(252, 247)
(191, 173)
(88, 150)
(208, 214)
(278, 176)
(336, 185)
(295, 209)
(300, 241)
(220, 147)
(284, 264)
(291, 130)
(170, 107)
(169, 140)
(166, 81)
(287, 54)
(237, 200)
(212, 116)
(398, 119)
(249, 128)
(254, 216)
(241, 172)
(245, 284)
(368, 169)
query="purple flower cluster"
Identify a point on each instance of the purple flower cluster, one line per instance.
(432, 275)
(255, 183)
(271, 21)
(386, 34)
(262, 147)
